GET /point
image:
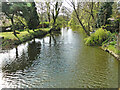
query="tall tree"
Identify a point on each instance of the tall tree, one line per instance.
(10, 9)
(77, 16)
(30, 14)
(104, 13)
(34, 19)
(26, 10)
(55, 11)
(48, 10)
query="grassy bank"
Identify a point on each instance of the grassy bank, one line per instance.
(112, 50)
(10, 40)
(111, 47)
(105, 39)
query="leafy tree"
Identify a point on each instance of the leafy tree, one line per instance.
(33, 21)
(87, 12)
(76, 11)
(23, 9)
(30, 14)
(10, 9)
(55, 11)
(104, 13)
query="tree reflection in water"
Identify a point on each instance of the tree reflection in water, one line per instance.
(25, 60)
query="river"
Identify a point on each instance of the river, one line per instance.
(66, 63)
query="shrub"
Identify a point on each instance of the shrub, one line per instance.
(113, 42)
(71, 22)
(98, 37)
(44, 24)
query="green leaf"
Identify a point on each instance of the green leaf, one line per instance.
(29, 4)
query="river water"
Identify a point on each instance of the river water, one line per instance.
(66, 63)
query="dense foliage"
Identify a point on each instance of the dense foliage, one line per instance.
(97, 19)
(98, 37)
(21, 9)
(32, 16)
(104, 13)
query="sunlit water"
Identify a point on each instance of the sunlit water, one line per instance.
(68, 63)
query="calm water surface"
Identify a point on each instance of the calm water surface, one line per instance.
(66, 63)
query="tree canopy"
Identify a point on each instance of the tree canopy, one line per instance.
(24, 9)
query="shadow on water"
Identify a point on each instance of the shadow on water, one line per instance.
(59, 61)
(53, 37)
(25, 60)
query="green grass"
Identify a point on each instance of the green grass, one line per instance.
(7, 35)
(10, 35)
(112, 48)
(45, 29)
(111, 44)
(10, 40)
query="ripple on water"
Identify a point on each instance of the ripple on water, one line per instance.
(69, 63)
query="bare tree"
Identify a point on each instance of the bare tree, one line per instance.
(73, 5)
(48, 10)
(55, 11)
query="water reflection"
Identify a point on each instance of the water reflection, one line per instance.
(16, 52)
(26, 59)
(62, 60)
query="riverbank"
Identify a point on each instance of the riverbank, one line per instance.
(111, 52)
(47, 62)
(105, 39)
(110, 46)
(9, 41)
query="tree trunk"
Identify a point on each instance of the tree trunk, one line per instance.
(49, 18)
(81, 23)
(13, 28)
(80, 20)
(16, 52)
(54, 22)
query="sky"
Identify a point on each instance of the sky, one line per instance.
(63, 4)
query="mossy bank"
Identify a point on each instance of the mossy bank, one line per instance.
(8, 40)
(105, 39)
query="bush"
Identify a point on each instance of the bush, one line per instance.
(113, 42)
(44, 24)
(98, 37)
(71, 22)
